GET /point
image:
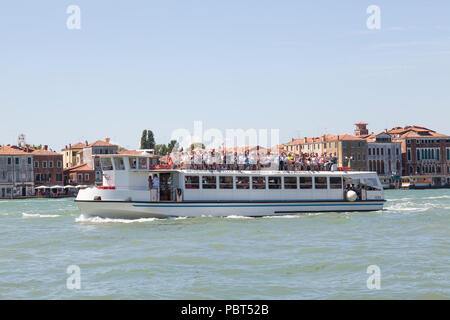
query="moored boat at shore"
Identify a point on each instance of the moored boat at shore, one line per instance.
(191, 193)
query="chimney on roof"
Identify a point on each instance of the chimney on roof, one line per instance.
(86, 142)
(361, 129)
(107, 140)
(45, 147)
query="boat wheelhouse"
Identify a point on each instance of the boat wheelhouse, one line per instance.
(190, 193)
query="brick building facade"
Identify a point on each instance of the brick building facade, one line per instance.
(47, 167)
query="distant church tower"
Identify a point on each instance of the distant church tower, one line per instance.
(361, 129)
(21, 140)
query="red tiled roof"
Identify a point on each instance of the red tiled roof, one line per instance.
(129, 152)
(414, 132)
(101, 143)
(12, 150)
(44, 152)
(78, 145)
(80, 167)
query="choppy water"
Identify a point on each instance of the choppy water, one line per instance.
(316, 256)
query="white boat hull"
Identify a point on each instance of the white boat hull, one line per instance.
(136, 210)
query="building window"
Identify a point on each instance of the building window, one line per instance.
(38, 177)
(59, 163)
(9, 160)
(29, 160)
(50, 164)
(17, 160)
(36, 164)
(86, 177)
(44, 164)
(370, 153)
(58, 177)
(409, 154)
(80, 177)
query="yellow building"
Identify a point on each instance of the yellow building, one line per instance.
(70, 154)
(348, 149)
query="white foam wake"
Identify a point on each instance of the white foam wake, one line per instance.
(238, 217)
(37, 215)
(83, 218)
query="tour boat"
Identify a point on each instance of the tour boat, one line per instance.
(193, 193)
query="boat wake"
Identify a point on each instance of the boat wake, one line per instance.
(238, 217)
(37, 215)
(85, 219)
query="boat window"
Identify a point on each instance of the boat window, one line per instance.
(226, 182)
(274, 182)
(258, 182)
(106, 164)
(142, 163)
(132, 163)
(242, 183)
(209, 182)
(119, 164)
(305, 182)
(320, 182)
(335, 183)
(371, 184)
(290, 182)
(191, 182)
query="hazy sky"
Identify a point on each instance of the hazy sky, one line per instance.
(305, 67)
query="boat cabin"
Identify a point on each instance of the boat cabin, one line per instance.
(126, 178)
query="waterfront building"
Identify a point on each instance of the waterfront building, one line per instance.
(424, 153)
(70, 154)
(97, 148)
(47, 167)
(81, 174)
(350, 150)
(16, 172)
(384, 156)
(84, 153)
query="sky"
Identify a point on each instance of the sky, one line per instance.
(303, 67)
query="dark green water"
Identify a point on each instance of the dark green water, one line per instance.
(316, 256)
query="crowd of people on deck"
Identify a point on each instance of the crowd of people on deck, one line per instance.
(251, 160)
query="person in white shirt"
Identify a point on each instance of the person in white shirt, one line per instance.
(155, 189)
